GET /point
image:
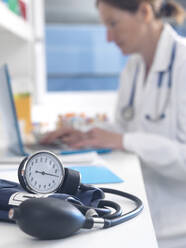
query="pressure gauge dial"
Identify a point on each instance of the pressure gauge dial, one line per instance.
(41, 173)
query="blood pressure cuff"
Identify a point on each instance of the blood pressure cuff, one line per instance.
(12, 195)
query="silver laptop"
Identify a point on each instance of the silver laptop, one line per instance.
(16, 149)
(10, 126)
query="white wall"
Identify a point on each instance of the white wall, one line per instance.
(81, 102)
(71, 11)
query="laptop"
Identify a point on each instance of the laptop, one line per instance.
(9, 121)
(10, 124)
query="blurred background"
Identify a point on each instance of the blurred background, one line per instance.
(56, 51)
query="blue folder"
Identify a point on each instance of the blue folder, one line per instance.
(96, 174)
(90, 174)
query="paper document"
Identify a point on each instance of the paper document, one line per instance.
(87, 158)
(80, 158)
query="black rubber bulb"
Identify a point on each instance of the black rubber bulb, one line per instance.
(48, 218)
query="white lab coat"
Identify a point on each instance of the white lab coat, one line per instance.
(161, 146)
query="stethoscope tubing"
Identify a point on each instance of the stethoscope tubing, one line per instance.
(127, 216)
(112, 219)
(157, 116)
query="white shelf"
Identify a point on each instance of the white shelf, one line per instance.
(14, 25)
(22, 45)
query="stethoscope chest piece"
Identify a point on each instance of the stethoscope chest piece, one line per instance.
(128, 113)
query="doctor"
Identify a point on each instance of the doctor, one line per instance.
(151, 108)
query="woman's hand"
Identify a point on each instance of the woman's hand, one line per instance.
(95, 138)
(67, 135)
(100, 138)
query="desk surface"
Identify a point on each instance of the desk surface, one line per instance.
(137, 232)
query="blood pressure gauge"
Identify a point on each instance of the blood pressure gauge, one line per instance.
(41, 173)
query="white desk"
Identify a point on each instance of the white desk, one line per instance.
(135, 233)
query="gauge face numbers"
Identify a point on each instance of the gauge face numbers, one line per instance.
(44, 173)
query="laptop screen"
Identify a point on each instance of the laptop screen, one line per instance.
(8, 116)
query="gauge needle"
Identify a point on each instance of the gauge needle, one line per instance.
(45, 173)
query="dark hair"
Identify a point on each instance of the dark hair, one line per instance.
(161, 8)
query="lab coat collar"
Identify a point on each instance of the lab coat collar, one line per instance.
(164, 48)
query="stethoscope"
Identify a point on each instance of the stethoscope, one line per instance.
(128, 111)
